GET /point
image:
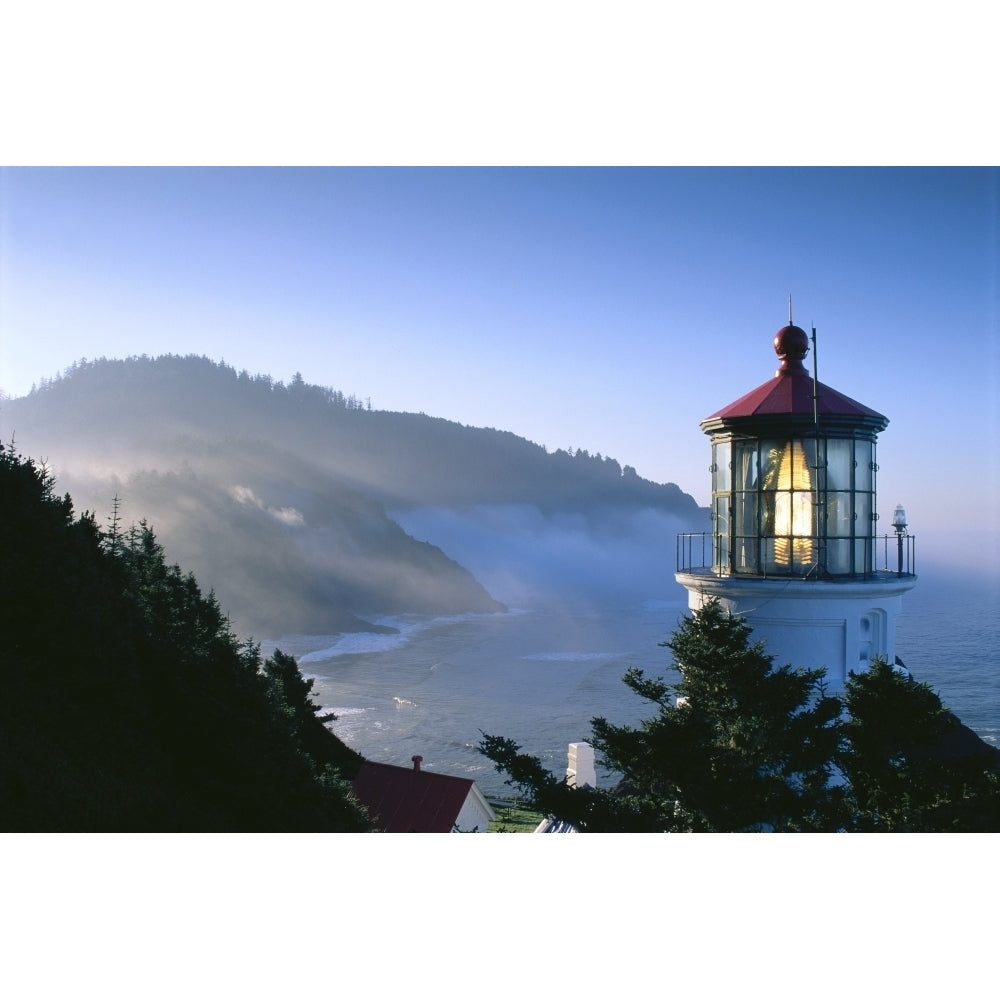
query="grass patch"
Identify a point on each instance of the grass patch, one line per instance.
(514, 818)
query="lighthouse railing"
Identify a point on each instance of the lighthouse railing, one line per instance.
(894, 554)
(694, 551)
(899, 554)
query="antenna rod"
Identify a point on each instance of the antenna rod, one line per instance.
(789, 310)
(815, 383)
(819, 495)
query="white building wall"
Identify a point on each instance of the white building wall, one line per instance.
(840, 625)
(475, 815)
(580, 768)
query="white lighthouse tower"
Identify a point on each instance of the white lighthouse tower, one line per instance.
(793, 548)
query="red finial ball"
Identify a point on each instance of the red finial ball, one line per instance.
(791, 344)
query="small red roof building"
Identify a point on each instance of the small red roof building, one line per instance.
(409, 800)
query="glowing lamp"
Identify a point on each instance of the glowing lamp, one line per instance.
(793, 509)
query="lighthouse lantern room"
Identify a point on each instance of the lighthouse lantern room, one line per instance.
(793, 547)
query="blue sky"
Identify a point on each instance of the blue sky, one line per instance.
(607, 309)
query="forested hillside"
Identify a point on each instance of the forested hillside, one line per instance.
(166, 406)
(129, 704)
(287, 499)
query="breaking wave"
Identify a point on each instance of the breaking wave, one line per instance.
(572, 657)
(306, 650)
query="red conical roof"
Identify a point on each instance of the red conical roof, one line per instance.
(788, 397)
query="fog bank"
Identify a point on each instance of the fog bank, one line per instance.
(528, 558)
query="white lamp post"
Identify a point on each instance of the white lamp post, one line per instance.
(899, 523)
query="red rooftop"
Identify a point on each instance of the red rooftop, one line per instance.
(787, 399)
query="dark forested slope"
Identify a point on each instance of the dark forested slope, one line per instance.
(160, 406)
(128, 704)
(277, 495)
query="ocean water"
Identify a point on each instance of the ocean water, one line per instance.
(538, 676)
(948, 635)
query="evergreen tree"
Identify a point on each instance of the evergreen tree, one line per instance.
(127, 703)
(745, 745)
(736, 745)
(292, 696)
(906, 762)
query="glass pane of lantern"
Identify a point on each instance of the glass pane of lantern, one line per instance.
(839, 515)
(839, 462)
(838, 556)
(864, 504)
(802, 556)
(744, 465)
(722, 455)
(863, 507)
(745, 533)
(720, 559)
(864, 559)
(864, 455)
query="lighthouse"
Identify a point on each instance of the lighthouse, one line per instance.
(794, 548)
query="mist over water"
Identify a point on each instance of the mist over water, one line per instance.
(526, 557)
